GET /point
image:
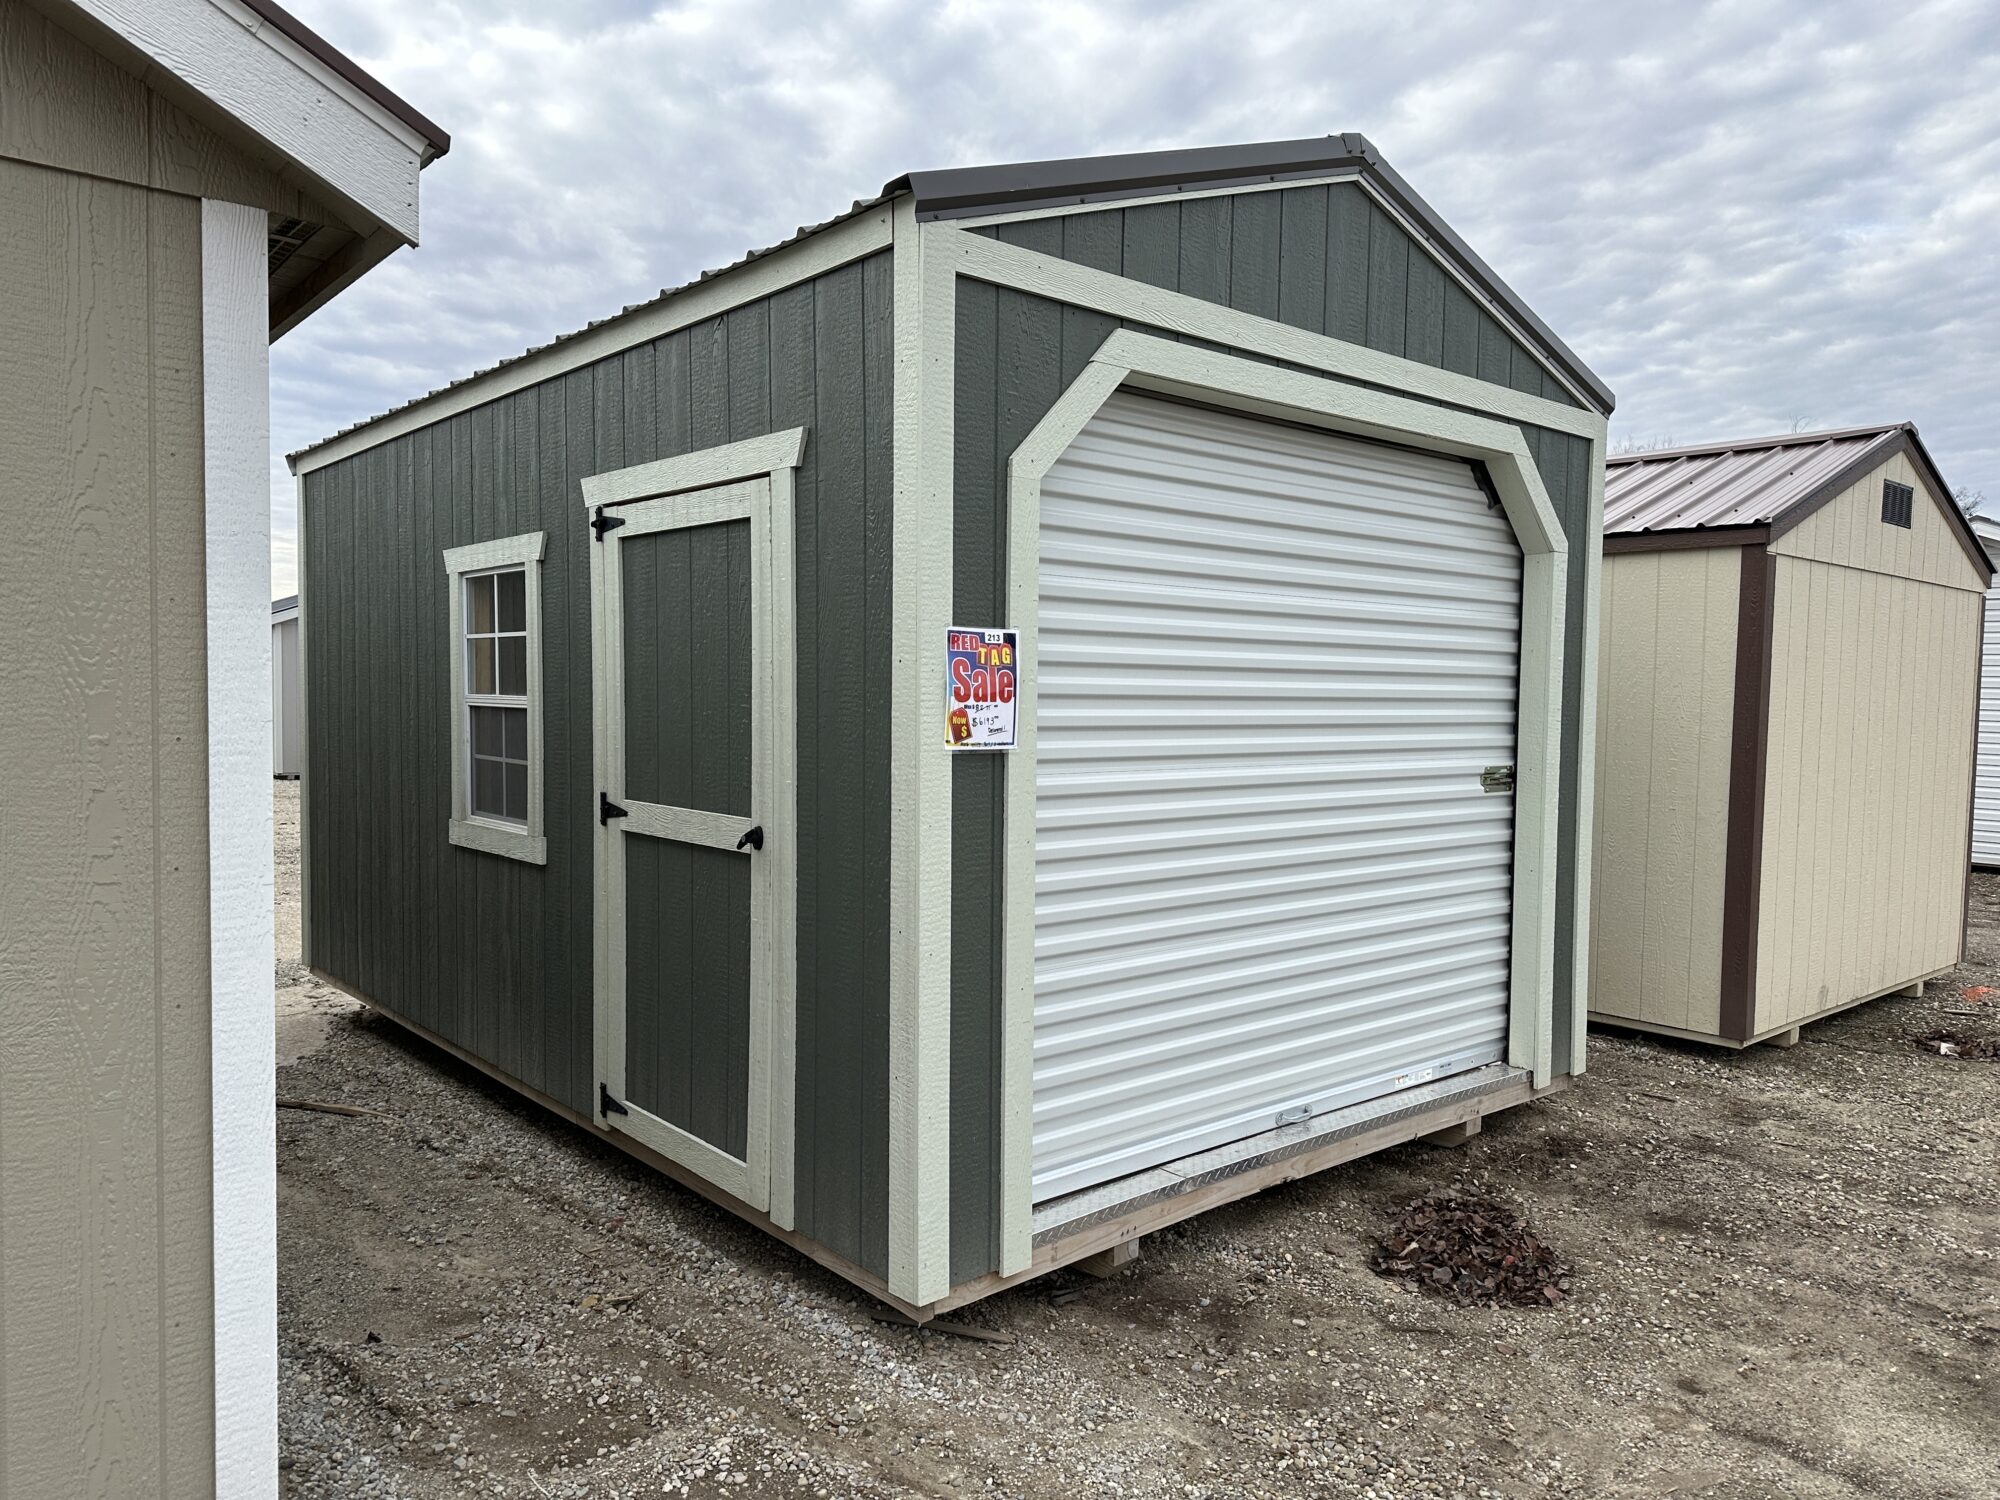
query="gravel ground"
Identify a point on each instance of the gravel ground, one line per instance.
(1785, 1284)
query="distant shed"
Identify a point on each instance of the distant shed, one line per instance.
(1986, 787)
(1790, 658)
(287, 701)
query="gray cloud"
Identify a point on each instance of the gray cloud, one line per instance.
(1740, 215)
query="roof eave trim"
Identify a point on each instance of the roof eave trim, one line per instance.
(1685, 539)
(437, 141)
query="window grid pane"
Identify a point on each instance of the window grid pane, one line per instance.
(495, 648)
(500, 763)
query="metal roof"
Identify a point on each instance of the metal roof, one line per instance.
(861, 206)
(1718, 494)
(957, 192)
(1729, 484)
(279, 606)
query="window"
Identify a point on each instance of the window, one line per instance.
(496, 709)
(1896, 500)
(496, 692)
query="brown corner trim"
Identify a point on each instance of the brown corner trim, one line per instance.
(1750, 730)
(1675, 541)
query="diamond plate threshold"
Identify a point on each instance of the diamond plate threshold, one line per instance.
(1260, 1158)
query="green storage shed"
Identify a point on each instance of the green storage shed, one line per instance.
(1048, 702)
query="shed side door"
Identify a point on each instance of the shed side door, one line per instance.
(1269, 880)
(683, 680)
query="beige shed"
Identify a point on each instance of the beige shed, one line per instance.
(1786, 720)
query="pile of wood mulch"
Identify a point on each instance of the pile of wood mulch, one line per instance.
(1476, 1251)
(1946, 1043)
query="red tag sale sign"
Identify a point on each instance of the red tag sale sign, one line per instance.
(981, 677)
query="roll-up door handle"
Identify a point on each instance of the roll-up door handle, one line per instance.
(754, 838)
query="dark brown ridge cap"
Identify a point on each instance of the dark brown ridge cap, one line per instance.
(959, 192)
(354, 73)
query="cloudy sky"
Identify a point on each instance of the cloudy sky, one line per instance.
(1745, 217)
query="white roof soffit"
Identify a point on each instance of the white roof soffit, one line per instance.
(238, 60)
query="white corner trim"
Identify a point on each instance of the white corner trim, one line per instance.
(920, 772)
(309, 116)
(530, 844)
(1142, 362)
(1590, 554)
(1007, 265)
(235, 384)
(752, 458)
(818, 253)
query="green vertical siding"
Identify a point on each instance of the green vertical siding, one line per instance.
(1327, 259)
(688, 725)
(688, 717)
(687, 988)
(494, 954)
(1324, 259)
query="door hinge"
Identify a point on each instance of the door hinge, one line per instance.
(607, 810)
(606, 1105)
(1497, 779)
(754, 838)
(601, 523)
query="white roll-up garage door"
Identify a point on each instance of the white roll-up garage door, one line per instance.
(1272, 667)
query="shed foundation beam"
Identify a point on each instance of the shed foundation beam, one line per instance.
(1110, 1262)
(1454, 1135)
(1783, 1039)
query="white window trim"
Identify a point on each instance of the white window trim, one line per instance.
(489, 835)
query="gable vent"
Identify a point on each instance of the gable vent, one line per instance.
(1896, 500)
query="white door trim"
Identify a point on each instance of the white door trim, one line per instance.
(1129, 359)
(692, 490)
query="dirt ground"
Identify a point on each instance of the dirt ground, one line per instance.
(1786, 1283)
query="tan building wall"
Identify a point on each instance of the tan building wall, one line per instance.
(1860, 880)
(1874, 673)
(104, 968)
(1665, 705)
(1849, 530)
(62, 104)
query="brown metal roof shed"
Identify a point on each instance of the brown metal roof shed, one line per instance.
(1789, 680)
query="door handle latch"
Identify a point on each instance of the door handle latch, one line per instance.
(754, 838)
